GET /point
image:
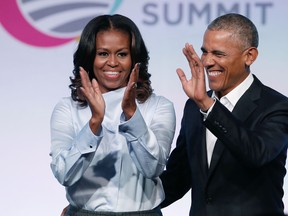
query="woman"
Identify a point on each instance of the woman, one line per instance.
(111, 139)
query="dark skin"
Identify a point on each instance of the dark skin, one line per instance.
(226, 61)
(93, 95)
(220, 55)
(195, 88)
(112, 69)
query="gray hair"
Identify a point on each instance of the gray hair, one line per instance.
(242, 28)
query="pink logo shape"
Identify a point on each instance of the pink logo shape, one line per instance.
(14, 22)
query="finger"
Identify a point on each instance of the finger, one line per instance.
(134, 75)
(190, 60)
(189, 56)
(194, 61)
(84, 78)
(181, 76)
(137, 72)
(187, 52)
(96, 86)
(193, 55)
(196, 65)
(132, 86)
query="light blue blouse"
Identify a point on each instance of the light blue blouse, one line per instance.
(118, 169)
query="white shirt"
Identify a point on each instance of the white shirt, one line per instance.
(116, 170)
(229, 101)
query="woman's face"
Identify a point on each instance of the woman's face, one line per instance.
(112, 63)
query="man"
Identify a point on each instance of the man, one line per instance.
(232, 146)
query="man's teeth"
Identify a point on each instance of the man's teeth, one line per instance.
(214, 73)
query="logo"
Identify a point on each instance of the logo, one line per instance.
(51, 23)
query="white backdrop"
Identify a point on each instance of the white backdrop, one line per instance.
(36, 63)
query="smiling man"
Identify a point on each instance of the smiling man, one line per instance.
(232, 147)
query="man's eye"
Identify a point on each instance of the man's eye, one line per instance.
(220, 54)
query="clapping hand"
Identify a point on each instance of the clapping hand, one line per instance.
(93, 96)
(129, 100)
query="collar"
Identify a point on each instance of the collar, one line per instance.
(230, 99)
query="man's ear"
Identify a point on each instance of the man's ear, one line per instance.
(251, 55)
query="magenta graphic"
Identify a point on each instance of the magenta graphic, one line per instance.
(50, 23)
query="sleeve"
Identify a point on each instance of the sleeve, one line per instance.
(255, 141)
(206, 113)
(176, 179)
(149, 142)
(71, 152)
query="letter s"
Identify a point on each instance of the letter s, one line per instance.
(150, 13)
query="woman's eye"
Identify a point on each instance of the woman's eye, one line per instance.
(102, 53)
(122, 54)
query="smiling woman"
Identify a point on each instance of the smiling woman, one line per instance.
(111, 139)
(113, 61)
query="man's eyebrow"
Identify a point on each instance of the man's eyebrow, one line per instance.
(213, 51)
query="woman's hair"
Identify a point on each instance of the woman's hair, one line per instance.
(86, 51)
(242, 28)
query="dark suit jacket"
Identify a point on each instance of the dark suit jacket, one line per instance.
(248, 162)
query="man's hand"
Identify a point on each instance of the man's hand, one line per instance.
(195, 88)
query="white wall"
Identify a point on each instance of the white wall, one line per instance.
(33, 78)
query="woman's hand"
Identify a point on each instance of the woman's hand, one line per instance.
(129, 100)
(93, 96)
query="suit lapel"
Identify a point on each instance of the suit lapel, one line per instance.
(217, 153)
(203, 153)
(247, 103)
(242, 110)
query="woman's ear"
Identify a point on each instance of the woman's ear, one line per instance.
(251, 55)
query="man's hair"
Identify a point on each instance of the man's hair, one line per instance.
(241, 27)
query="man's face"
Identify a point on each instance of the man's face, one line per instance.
(224, 61)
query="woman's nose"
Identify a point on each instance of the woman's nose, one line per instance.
(112, 61)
